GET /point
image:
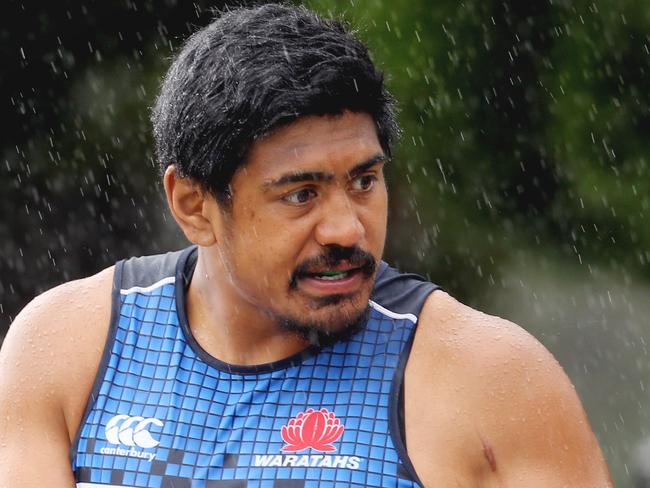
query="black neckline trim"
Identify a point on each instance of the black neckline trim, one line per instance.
(184, 271)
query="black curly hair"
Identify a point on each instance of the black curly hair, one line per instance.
(253, 70)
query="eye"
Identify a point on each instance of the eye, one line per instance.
(300, 197)
(364, 183)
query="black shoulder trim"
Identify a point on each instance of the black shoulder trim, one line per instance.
(401, 292)
(106, 355)
(147, 270)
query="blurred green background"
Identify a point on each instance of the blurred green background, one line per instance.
(521, 184)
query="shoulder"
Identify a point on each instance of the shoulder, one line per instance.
(53, 347)
(504, 367)
(474, 337)
(517, 403)
(64, 312)
(493, 368)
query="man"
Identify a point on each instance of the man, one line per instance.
(279, 350)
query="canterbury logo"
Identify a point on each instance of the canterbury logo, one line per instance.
(316, 429)
(131, 431)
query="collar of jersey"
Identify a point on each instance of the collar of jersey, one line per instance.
(184, 271)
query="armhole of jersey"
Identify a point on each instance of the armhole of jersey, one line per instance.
(402, 295)
(396, 410)
(106, 354)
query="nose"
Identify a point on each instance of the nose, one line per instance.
(339, 223)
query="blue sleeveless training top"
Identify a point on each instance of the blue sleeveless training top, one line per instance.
(164, 413)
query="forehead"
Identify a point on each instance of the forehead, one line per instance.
(311, 143)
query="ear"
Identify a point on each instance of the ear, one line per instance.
(189, 204)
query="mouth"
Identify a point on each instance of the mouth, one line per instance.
(324, 283)
(341, 282)
(331, 275)
(339, 271)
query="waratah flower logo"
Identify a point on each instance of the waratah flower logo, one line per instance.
(317, 429)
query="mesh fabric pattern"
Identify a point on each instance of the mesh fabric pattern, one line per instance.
(215, 426)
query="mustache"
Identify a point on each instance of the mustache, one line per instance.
(334, 255)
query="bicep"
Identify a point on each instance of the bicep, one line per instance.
(46, 377)
(34, 442)
(548, 441)
(34, 447)
(522, 422)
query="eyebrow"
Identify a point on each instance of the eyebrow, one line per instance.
(302, 176)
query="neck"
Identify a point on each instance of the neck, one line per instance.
(227, 326)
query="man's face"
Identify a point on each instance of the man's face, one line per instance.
(307, 226)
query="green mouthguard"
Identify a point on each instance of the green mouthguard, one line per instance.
(332, 273)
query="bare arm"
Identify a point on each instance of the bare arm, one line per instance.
(47, 366)
(501, 412)
(543, 437)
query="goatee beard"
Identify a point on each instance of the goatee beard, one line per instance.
(324, 332)
(319, 334)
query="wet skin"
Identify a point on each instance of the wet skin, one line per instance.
(486, 405)
(468, 417)
(298, 245)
